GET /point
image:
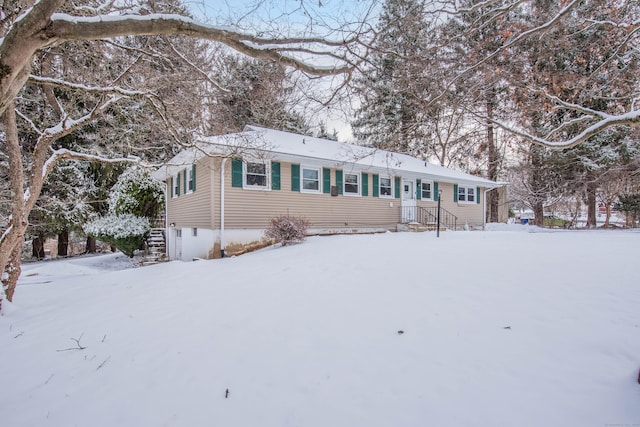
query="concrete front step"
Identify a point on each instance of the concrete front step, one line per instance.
(417, 227)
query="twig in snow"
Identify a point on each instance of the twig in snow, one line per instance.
(19, 334)
(48, 379)
(77, 341)
(226, 393)
(104, 338)
(103, 363)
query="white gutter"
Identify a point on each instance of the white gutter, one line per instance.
(222, 242)
(484, 204)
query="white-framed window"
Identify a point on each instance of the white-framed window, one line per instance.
(311, 179)
(426, 189)
(175, 189)
(352, 184)
(179, 232)
(386, 186)
(256, 175)
(190, 180)
(466, 194)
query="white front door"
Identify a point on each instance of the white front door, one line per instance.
(408, 201)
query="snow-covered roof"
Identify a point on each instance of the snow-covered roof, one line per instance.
(269, 143)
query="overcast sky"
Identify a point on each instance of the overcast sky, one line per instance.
(290, 17)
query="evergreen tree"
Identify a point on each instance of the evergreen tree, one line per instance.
(393, 90)
(630, 205)
(137, 193)
(257, 92)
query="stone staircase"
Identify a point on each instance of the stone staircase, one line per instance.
(156, 247)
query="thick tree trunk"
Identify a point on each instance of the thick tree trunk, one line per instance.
(537, 185)
(538, 212)
(13, 238)
(13, 270)
(493, 159)
(607, 218)
(63, 242)
(37, 246)
(91, 245)
(591, 202)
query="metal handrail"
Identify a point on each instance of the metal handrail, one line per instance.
(428, 216)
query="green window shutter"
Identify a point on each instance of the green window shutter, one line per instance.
(365, 184)
(339, 180)
(236, 173)
(193, 176)
(418, 189)
(275, 175)
(435, 191)
(376, 185)
(455, 193)
(295, 177)
(326, 180)
(171, 187)
(178, 184)
(477, 195)
(184, 182)
(397, 184)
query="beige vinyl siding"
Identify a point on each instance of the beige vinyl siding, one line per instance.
(467, 213)
(245, 208)
(193, 209)
(251, 209)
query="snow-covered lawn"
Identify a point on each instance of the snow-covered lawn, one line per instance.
(499, 329)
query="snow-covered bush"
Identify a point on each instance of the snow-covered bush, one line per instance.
(286, 229)
(136, 192)
(126, 232)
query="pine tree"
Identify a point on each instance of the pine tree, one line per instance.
(393, 89)
(257, 93)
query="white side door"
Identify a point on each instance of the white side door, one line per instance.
(176, 247)
(408, 201)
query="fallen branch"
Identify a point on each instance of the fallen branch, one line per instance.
(103, 363)
(78, 345)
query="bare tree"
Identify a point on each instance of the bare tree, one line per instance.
(35, 26)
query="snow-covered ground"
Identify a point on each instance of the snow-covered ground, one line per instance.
(499, 328)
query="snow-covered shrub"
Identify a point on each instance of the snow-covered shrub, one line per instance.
(286, 229)
(136, 192)
(126, 232)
